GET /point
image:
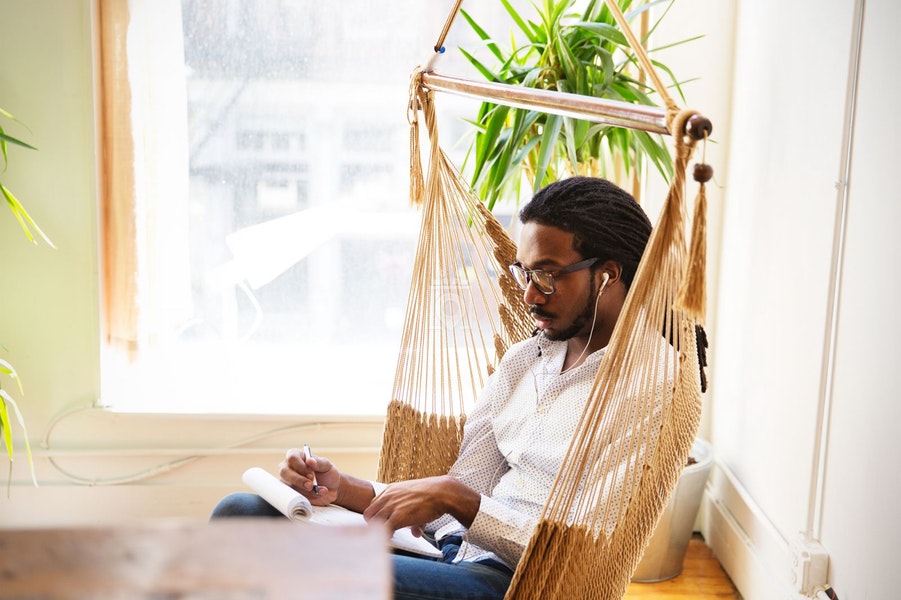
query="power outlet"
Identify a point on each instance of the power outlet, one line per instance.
(810, 565)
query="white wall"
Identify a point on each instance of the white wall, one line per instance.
(862, 476)
(50, 311)
(773, 378)
(779, 112)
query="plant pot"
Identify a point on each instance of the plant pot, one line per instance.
(664, 555)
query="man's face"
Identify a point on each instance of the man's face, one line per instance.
(569, 311)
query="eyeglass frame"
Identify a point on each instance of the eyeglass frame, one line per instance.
(527, 274)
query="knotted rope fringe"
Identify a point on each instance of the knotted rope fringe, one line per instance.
(417, 184)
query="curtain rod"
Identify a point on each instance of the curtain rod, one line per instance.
(598, 110)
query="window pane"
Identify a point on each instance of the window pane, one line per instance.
(301, 235)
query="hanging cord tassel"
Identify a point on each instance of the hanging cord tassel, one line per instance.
(692, 297)
(417, 181)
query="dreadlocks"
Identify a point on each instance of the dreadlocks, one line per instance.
(605, 220)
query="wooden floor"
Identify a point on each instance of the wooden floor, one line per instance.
(702, 577)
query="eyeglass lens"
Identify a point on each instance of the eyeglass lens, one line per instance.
(542, 280)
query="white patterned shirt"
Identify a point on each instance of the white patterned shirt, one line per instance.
(514, 443)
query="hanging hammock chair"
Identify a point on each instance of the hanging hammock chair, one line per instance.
(642, 415)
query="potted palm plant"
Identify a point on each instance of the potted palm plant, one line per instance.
(32, 232)
(568, 51)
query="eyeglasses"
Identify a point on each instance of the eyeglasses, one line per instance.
(544, 280)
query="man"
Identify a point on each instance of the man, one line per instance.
(581, 241)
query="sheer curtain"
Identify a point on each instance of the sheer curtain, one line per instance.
(146, 285)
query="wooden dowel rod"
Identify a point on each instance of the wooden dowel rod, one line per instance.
(598, 110)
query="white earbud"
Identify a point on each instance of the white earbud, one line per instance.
(604, 284)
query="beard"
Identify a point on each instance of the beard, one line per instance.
(583, 318)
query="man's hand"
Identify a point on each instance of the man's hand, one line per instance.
(335, 487)
(298, 473)
(419, 501)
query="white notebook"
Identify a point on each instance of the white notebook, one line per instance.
(296, 507)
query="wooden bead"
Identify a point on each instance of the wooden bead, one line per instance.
(703, 173)
(699, 127)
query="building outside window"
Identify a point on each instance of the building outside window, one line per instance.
(291, 251)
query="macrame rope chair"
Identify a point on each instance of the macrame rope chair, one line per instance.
(642, 414)
(463, 312)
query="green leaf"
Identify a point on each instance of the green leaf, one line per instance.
(520, 22)
(8, 138)
(607, 70)
(546, 152)
(675, 44)
(5, 137)
(485, 71)
(571, 65)
(632, 94)
(657, 152)
(667, 70)
(486, 142)
(506, 171)
(4, 423)
(7, 433)
(570, 128)
(659, 20)
(631, 14)
(483, 35)
(8, 369)
(606, 31)
(525, 150)
(25, 221)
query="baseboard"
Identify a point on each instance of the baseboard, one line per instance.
(752, 552)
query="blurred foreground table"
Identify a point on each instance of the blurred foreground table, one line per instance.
(231, 559)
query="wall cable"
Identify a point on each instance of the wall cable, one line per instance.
(824, 408)
(193, 454)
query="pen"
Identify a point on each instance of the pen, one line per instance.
(308, 455)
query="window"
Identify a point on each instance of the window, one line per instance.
(274, 242)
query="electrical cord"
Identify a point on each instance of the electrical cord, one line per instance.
(827, 593)
(167, 466)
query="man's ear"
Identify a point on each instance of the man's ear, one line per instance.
(612, 269)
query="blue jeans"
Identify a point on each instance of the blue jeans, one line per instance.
(415, 577)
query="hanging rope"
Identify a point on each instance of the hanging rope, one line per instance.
(463, 311)
(646, 66)
(640, 419)
(634, 437)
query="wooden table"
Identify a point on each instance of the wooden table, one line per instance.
(230, 559)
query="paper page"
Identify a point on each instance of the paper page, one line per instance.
(290, 503)
(296, 507)
(403, 539)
